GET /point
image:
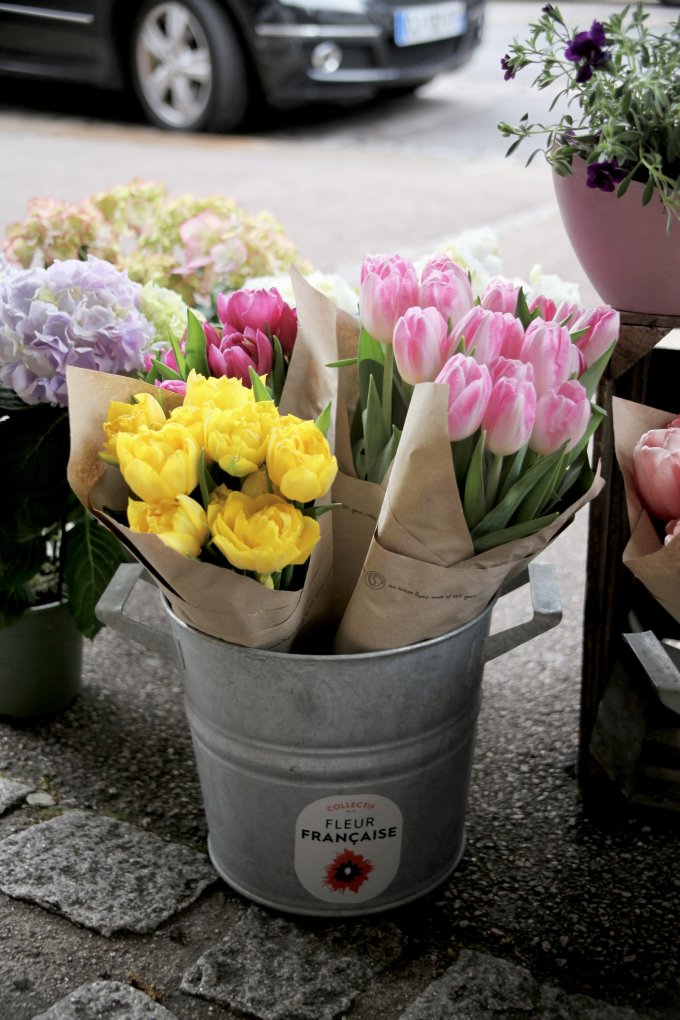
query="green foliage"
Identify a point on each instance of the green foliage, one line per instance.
(628, 110)
(50, 548)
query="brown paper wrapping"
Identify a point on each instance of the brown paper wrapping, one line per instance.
(213, 599)
(656, 565)
(421, 578)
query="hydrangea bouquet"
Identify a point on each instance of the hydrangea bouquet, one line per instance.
(74, 312)
(616, 97)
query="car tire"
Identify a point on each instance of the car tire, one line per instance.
(188, 68)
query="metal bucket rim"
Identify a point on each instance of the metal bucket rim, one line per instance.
(383, 653)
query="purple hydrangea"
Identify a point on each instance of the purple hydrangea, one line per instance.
(72, 313)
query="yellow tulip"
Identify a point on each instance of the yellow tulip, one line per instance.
(237, 439)
(193, 418)
(299, 460)
(223, 392)
(181, 523)
(256, 483)
(159, 465)
(264, 534)
(145, 412)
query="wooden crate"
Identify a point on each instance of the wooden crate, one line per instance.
(644, 369)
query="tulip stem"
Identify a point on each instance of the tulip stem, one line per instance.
(387, 388)
(493, 480)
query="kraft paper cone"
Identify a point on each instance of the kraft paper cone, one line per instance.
(214, 600)
(421, 578)
(655, 564)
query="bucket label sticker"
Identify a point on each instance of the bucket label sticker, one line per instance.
(347, 848)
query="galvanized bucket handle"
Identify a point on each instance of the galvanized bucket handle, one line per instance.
(546, 606)
(547, 612)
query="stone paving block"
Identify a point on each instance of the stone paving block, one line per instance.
(102, 873)
(106, 1000)
(12, 793)
(478, 986)
(274, 969)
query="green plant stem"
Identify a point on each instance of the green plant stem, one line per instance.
(493, 480)
(388, 371)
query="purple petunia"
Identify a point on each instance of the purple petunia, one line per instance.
(72, 313)
(605, 176)
(505, 64)
(587, 49)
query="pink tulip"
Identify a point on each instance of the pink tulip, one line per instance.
(489, 335)
(446, 286)
(562, 415)
(549, 348)
(602, 325)
(389, 287)
(509, 416)
(469, 386)
(500, 296)
(421, 344)
(520, 371)
(545, 305)
(237, 353)
(656, 470)
(259, 309)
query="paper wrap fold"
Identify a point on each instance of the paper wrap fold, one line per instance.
(656, 565)
(215, 600)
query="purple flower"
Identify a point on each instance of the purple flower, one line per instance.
(72, 313)
(604, 176)
(505, 64)
(588, 47)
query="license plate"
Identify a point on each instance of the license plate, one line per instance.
(429, 22)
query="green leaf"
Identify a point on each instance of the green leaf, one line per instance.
(342, 363)
(179, 358)
(474, 496)
(195, 352)
(323, 422)
(20, 561)
(13, 603)
(319, 511)
(369, 349)
(500, 516)
(387, 455)
(591, 377)
(160, 371)
(277, 376)
(206, 482)
(11, 401)
(375, 437)
(260, 391)
(369, 370)
(648, 191)
(543, 493)
(90, 557)
(515, 531)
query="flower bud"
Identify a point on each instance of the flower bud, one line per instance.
(421, 344)
(509, 415)
(562, 415)
(446, 287)
(602, 325)
(656, 471)
(549, 348)
(181, 523)
(388, 289)
(469, 386)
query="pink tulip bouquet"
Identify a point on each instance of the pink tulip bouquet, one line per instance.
(480, 409)
(647, 443)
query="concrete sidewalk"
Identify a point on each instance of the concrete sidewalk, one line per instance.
(108, 904)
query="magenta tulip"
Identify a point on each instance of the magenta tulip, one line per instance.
(489, 335)
(445, 286)
(421, 344)
(389, 287)
(602, 325)
(237, 353)
(656, 470)
(509, 416)
(500, 296)
(173, 385)
(549, 348)
(259, 309)
(562, 416)
(469, 386)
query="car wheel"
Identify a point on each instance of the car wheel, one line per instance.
(188, 68)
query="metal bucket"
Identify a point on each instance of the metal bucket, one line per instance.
(334, 785)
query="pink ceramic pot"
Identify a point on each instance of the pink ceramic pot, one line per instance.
(622, 245)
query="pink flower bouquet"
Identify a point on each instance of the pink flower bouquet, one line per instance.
(647, 444)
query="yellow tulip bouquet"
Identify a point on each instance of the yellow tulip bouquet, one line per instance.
(218, 491)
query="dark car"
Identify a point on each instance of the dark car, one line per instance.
(196, 64)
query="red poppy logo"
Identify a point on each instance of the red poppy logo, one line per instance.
(347, 870)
